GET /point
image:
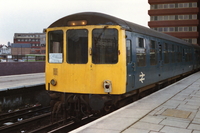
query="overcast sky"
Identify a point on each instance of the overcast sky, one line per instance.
(32, 16)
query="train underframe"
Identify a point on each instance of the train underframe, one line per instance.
(77, 106)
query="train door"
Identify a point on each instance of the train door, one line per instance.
(160, 59)
(183, 60)
(141, 72)
(129, 62)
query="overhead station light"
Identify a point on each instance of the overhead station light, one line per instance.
(77, 23)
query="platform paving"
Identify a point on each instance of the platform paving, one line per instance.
(21, 81)
(174, 109)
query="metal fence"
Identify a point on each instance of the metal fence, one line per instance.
(22, 58)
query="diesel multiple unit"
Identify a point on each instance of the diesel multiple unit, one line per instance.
(95, 60)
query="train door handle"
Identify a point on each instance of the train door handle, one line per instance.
(161, 63)
(134, 67)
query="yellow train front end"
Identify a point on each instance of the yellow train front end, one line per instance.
(88, 59)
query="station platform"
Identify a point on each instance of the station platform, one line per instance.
(174, 109)
(21, 81)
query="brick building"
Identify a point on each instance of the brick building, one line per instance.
(179, 18)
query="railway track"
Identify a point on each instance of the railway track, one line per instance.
(43, 124)
(11, 113)
(71, 125)
(38, 119)
(20, 113)
(25, 125)
(19, 121)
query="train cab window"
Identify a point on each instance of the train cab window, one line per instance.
(55, 42)
(104, 46)
(166, 53)
(153, 53)
(128, 51)
(77, 46)
(141, 52)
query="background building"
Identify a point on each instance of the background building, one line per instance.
(5, 50)
(20, 48)
(43, 43)
(36, 41)
(179, 18)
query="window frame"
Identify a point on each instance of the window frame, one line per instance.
(69, 58)
(128, 60)
(141, 51)
(111, 53)
(154, 61)
(54, 57)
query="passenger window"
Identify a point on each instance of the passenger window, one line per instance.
(128, 51)
(141, 43)
(55, 41)
(190, 55)
(160, 50)
(141, 52)
(179, 54)
(166, 53)
(77, 46)
(185, 54)
(153, 53)
(173, 55)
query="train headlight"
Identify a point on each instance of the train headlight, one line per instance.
(107, 85)
(77, 23)
(53, 82)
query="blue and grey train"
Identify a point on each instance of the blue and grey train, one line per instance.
(95, 60)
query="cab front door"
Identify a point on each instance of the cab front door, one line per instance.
(129, 63)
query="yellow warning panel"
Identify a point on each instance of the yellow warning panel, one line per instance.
(176, 113)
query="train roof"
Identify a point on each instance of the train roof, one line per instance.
(94, 18)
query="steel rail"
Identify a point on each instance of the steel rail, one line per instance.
(3, 115)
(11, 127)
(23, 115)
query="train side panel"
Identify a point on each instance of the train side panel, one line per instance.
(154, 59)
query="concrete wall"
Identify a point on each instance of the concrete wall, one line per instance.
(14, 68)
